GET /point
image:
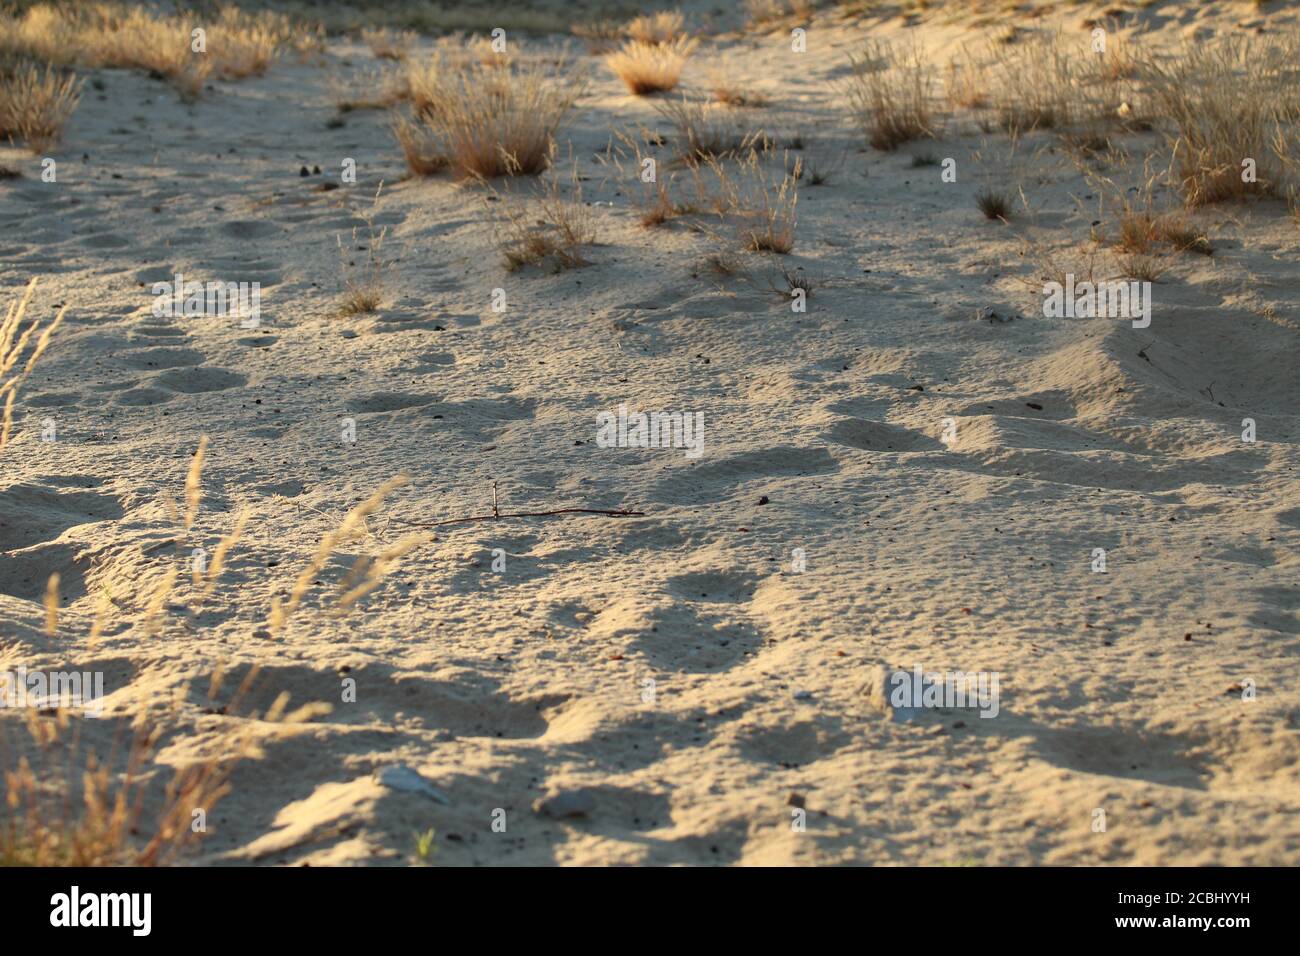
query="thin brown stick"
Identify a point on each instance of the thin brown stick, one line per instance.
(524, 514)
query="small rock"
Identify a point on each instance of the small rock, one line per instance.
(803, 695)
(401, 777)
(795, 800)
(304, 172)
(763, 500)
(567, 804)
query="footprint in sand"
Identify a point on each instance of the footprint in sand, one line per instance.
(162, 358)
(879, 436)
(33, 514)
(380, 402)
(249, 228)
(714, 480)
(201, 379)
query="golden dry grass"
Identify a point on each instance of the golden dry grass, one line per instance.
(965, 81)
(772, 13)
(705, 130)
(36, 103)
(1225, 103)
(67, 805)
(53, 815)
(352, 528)
(1050, 81)
(550, 231)
(727, 92)
(235, 43)
(364, 276)
(664, 27)
(647, 68)
(756, 200)
(890, 95)
(19, 336)
(419, 148)
(386, 44)
(489, 120)
(600, 36)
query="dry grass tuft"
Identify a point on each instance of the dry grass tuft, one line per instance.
(352, 527)
(550, 232)
(194, 483)
(377, 89)
(363, 282)
(36, 104)
(705, 131)
(419, 147)
(386, 44)
(103, 34)
(488, 120)
(726, 92)
(1036, 85)
(1142, 268)
(889, 95)
(601, 36)
(767, 14)
(15, 340)
(1142, 227)
(53, 815)
(760, 204)
(1229, 101)
(647, 68)
(965, 82)
(1051, 82)
(661, 208)
(664, 27)
(993, 204)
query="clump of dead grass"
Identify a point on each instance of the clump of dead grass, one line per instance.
(1051, 82)
(705, 131)
(890, 95)
(54, 816)
(35, 103)
(1142, 227)
(386, 44)
(768, 14)
(490, 120)
(601, 36)
(419, 147)
(54, 813)
(236, 43)
(665, 27)
(1230, 104)
(727, 92)
(994, 204)
(965, 83)
(760, 203)
(19, 337)
(548, 232)
(647, 68)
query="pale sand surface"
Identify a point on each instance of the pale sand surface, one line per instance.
(502, 688)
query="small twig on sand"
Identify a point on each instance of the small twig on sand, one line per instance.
(497, 515)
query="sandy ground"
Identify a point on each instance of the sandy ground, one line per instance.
(823, 432)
